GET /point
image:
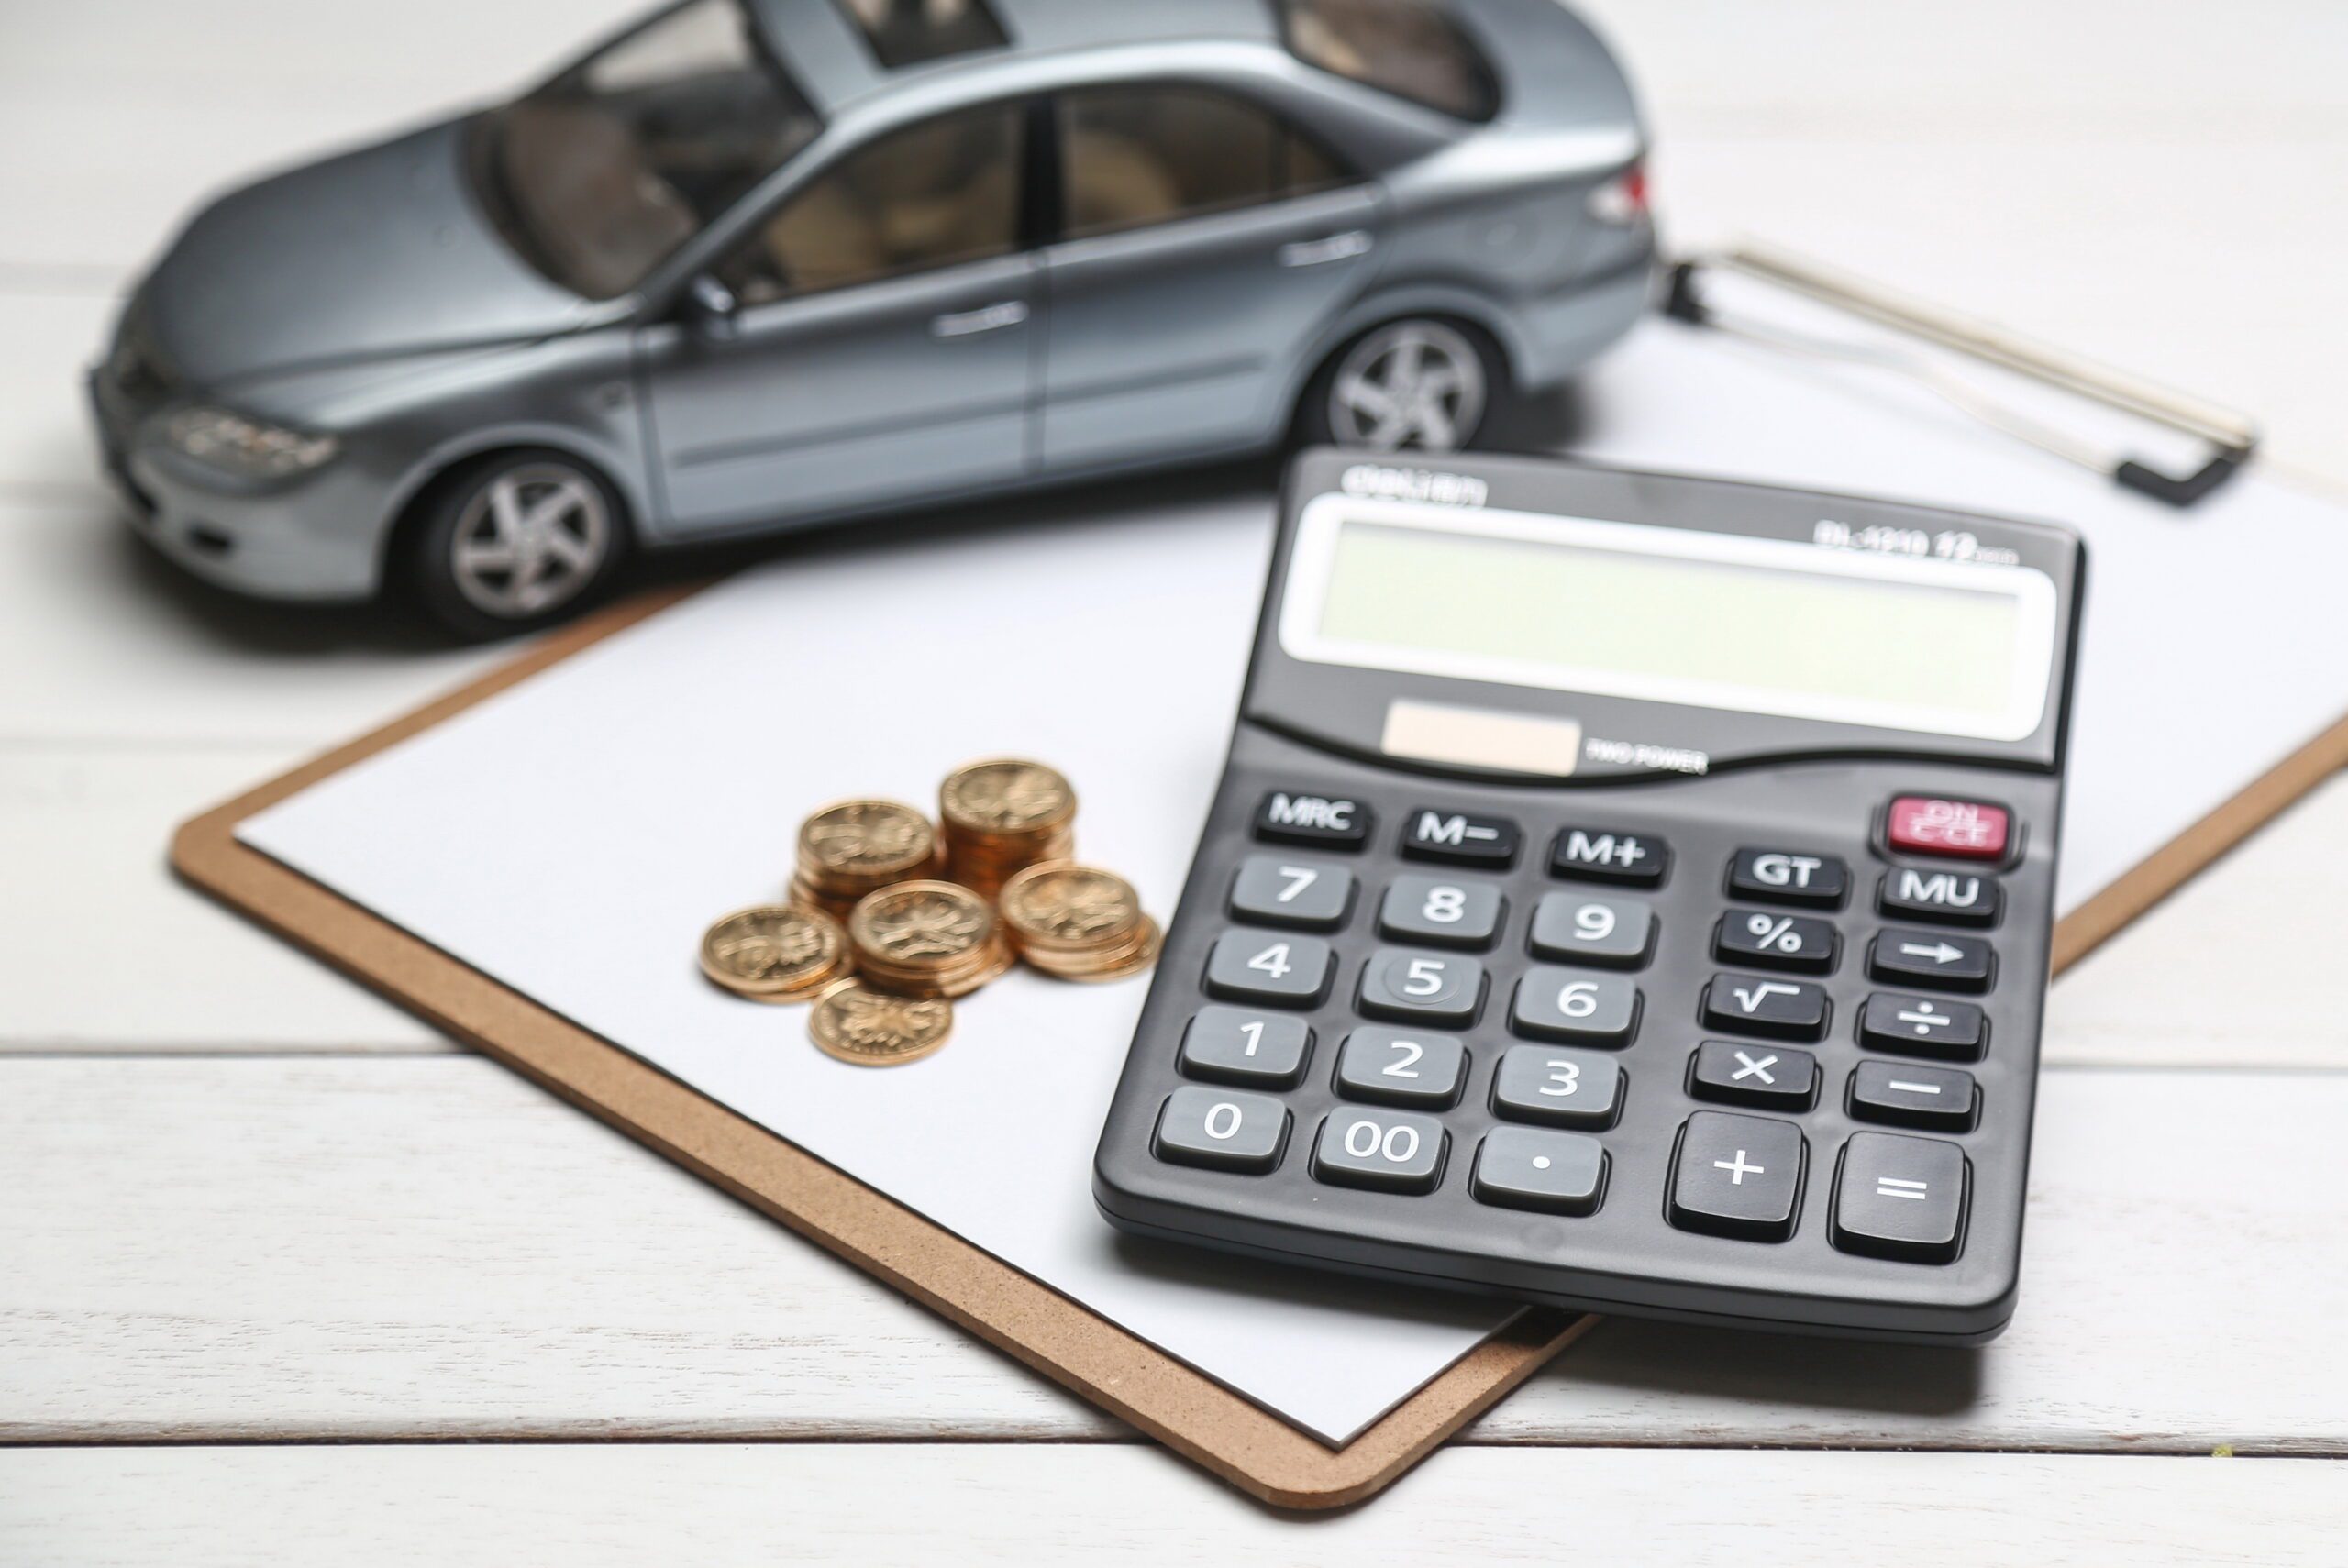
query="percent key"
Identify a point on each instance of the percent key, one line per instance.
(1755, 939)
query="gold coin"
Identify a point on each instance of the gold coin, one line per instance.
(1063, 904)
(866, 839)
(774, 952)
(1129, 957)
(1006, 795)
(920, 925)
(873, 1031)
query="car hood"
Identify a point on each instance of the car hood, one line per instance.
(373, 253)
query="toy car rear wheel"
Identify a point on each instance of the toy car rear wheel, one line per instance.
(1419, 383)
(517, 541)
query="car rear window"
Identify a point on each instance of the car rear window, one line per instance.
(1412, 49)
(909, 32)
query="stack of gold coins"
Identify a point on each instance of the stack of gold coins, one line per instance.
(1001, 816)
(1078, 922)
(776, 953)
(849, 849)
(927, 939)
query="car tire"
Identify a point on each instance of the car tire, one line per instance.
(513, 542)
(1417, 383)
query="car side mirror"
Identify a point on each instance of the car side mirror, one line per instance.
(709, 307)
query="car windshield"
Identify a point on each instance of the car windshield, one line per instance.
(601, 174)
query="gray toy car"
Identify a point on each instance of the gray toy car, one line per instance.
(757, 264)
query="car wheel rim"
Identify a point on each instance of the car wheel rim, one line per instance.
(1414, 384)
(530, 539)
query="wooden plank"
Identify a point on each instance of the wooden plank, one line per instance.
(51, 336)
(1021, 1507)
(131, 113)
(103, 642)
(425, 1247)
(101, 949)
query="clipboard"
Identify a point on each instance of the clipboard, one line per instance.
(1222, 1432)
(1084, 1353)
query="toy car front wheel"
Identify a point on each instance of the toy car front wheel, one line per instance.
(518, 541)
(1419, 383)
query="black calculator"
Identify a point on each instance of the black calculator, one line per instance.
(1626, 891)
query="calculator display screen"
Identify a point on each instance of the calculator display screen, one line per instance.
(1725, 621)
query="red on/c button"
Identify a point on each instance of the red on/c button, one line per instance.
(1963, 830)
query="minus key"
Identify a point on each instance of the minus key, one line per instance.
(1900, 1094)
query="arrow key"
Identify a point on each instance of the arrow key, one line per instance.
(1932, 959)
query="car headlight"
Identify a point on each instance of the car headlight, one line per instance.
(246, 446)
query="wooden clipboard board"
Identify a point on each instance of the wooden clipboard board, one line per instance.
(1236, 1440)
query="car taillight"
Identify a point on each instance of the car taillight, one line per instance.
(1622, 199)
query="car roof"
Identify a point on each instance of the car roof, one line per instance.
(828, 60)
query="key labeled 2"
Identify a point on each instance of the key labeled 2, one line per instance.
(1401, 1067)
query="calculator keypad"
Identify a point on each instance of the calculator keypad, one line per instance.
(1590, 1043)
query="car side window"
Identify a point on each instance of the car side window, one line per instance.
(1148, 154)
(928, 195)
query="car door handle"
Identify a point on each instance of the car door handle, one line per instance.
(986, 318)
(1330, 248)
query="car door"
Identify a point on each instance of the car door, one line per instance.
(878, 344)
(1205, 242)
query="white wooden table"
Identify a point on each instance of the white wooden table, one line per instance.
(284, 1275)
